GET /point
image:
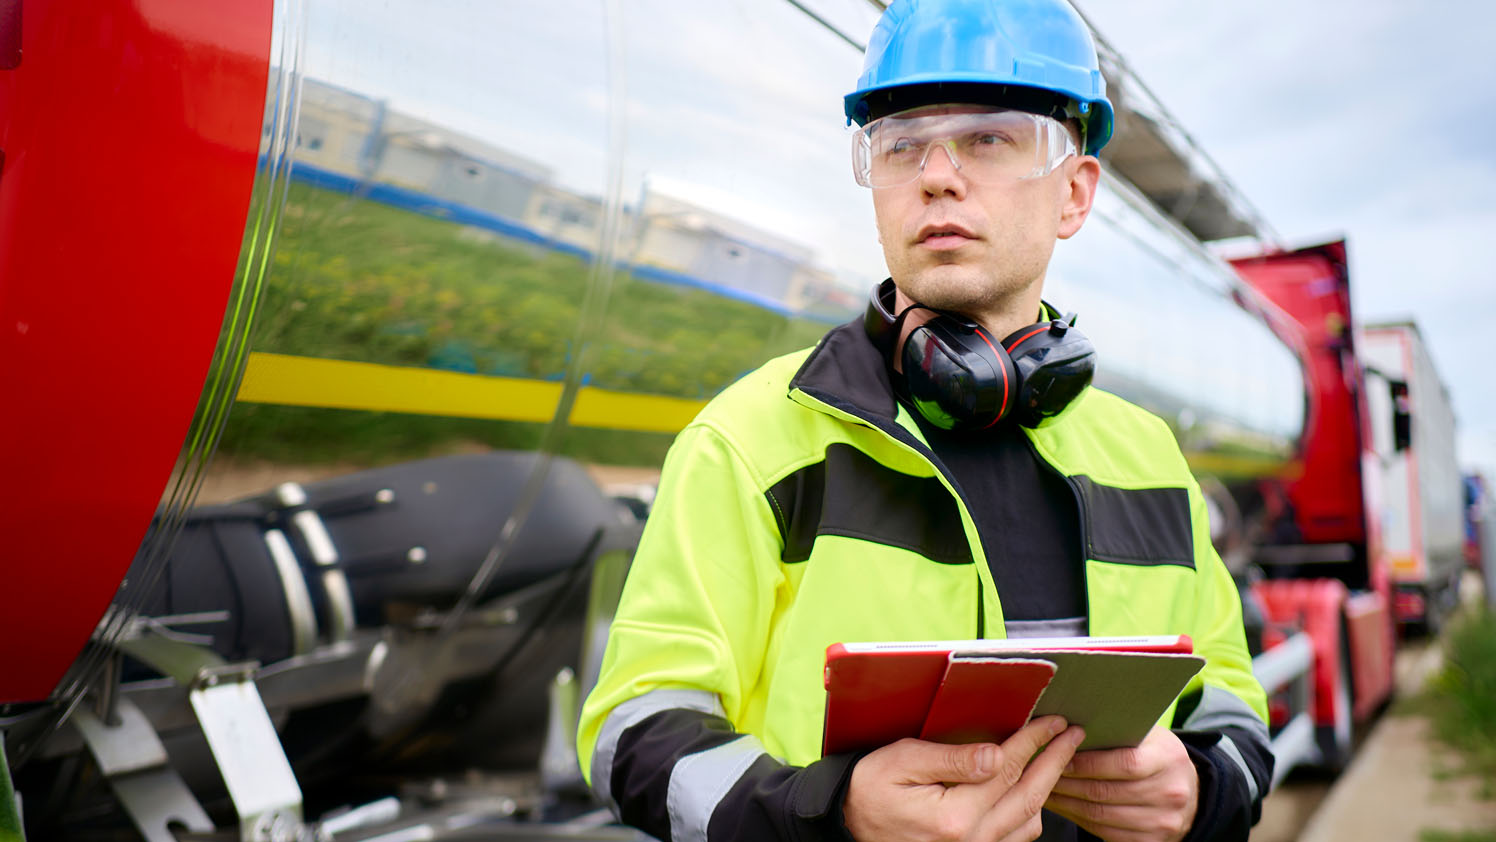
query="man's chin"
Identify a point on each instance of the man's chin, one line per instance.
(950, 287)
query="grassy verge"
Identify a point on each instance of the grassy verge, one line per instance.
(1460, 704)
(1462, 697)
(1457, 836)
(359, 280)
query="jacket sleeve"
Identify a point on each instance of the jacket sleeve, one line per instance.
(657, 739)
(1222, 721)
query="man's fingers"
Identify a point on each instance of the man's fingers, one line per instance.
(1116, 821)
(1158, 803)
(1031, 830)
(1034, 780)
(1118, 764)
(1104, 791)
(1016, 806)
(1009, 760)
(1027, 741)
(1044, 771)
(929, 763)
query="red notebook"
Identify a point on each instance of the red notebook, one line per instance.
(984, 700)
(878, 693)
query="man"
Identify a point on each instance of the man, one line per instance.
(907, 479)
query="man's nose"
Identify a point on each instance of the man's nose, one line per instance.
(941, 172)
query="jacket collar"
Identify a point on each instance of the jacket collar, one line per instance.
(846, 371)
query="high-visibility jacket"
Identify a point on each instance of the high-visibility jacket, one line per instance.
(803, 508)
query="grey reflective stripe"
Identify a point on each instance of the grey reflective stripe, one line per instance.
(1229, 747)
(1067, 627)
(631, 713)
(699, 782)
(1223, 709)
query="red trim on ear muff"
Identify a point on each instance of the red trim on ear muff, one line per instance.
(1001, 413)
(1025, 337)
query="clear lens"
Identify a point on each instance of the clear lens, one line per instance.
(987, 146)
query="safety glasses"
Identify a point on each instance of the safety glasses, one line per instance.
(987, 146)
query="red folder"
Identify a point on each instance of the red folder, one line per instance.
(878, 693)
(984, 700)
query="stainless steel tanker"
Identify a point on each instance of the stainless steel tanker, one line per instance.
(495, 255)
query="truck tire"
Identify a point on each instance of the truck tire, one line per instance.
(1442, 599)
(1433, 613)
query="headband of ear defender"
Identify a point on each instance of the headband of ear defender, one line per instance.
(960, 378)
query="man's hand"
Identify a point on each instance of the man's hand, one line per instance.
(916, 791)
(1143, 794)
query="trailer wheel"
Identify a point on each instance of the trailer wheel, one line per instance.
(1447, 603)
(1337, 740)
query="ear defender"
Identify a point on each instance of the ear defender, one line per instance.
(959, 378)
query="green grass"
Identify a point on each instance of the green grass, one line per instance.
(1460, 705)
(1461, 699)
(1457, 836)
(359, 280)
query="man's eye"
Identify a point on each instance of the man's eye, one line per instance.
(901, 146)
(987, 139)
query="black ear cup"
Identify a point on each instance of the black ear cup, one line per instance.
(959, 378)
(1055, 363)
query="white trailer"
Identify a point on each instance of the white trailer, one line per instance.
(1420, 505)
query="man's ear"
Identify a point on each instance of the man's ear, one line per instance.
(1083, 174)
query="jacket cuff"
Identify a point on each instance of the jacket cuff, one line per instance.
(803, 804)
(823, 793)
(1225, 811)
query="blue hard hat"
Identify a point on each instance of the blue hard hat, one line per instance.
(1032, 45)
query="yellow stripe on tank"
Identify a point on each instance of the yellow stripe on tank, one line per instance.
(342, 384)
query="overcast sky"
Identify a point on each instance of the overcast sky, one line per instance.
(1368, 119)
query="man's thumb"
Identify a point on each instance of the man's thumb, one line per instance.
(970, 763)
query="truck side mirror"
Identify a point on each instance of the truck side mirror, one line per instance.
(1402, 416)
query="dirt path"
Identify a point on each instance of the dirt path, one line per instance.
(1395, 788)
(1288, 808)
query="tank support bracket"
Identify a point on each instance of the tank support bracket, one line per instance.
(131, 756)
(249, 755)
